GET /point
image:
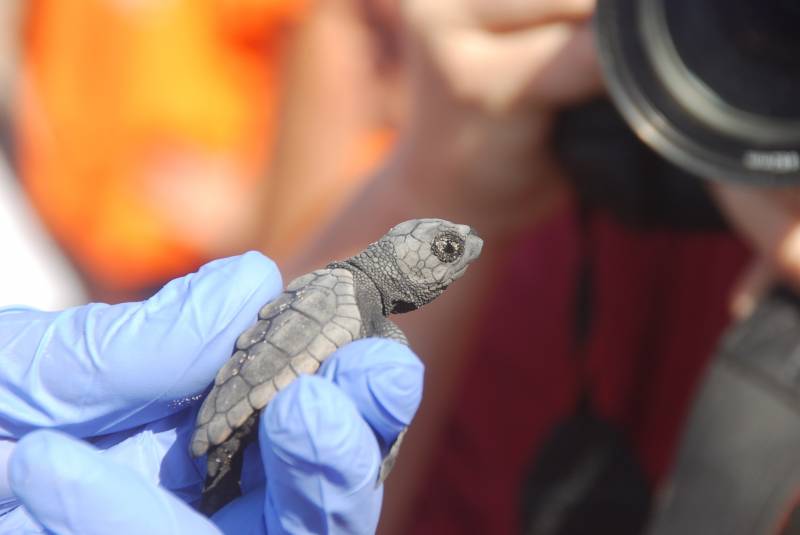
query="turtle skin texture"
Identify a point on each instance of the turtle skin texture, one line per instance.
(318, 313)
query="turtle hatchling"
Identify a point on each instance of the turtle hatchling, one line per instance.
(318, 313)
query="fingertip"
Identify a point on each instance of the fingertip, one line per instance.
(788, 254)
(385, 380)
(228, 295)
(370, 355)
(260, 267)
(135, 363)
(395, 378)
(43, 472)
(36, 450)
(247, 277)
(321, 461)
(312, 427)
(195, 320)
(397, 387)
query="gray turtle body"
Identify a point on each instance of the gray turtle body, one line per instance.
(294, 334)
(318, 313)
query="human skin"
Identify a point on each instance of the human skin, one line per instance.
(326, 71)
(333, 96)
(768, 218)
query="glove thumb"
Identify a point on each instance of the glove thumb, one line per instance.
(69, 487)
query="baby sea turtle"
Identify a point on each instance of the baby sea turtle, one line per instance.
(318, 313)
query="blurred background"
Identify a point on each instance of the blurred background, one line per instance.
(141, 138)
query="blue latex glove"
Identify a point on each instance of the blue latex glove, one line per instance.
(126, 379)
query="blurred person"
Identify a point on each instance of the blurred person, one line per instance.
(146, 131)
(559, 381)
(344, 76)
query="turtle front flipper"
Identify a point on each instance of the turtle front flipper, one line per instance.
(386, 328)
(391, 457)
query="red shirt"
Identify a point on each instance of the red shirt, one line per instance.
(660, 301)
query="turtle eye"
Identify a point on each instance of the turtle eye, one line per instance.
(448, 246)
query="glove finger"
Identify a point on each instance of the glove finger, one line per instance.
(69, 487)
(384, 379)
(98, 368)
(159, 451)
(321, 460)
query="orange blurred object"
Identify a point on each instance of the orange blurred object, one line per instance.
(118, 97)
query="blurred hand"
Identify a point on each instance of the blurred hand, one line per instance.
(487, 77)
(769, 219)
(125, 379)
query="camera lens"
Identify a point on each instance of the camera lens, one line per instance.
(741, 37)
(711, 84)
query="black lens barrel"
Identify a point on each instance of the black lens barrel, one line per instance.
(713, 85)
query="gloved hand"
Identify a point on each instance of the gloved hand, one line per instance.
(127, 378)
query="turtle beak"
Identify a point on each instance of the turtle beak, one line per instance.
(473, 246)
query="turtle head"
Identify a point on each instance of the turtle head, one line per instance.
(429, 254)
